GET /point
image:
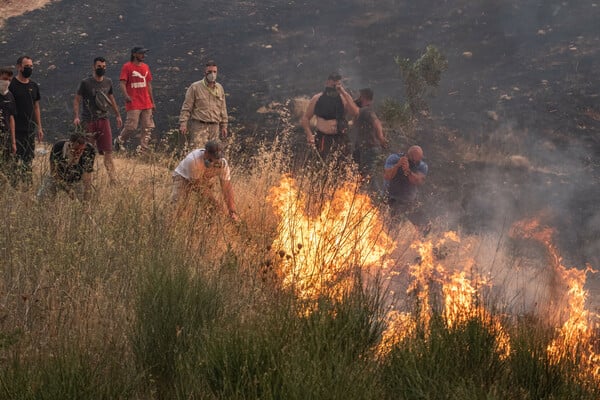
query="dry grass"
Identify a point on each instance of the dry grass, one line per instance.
(70, 272)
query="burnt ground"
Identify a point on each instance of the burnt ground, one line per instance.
(522, 81)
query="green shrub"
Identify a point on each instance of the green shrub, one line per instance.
(173, 309)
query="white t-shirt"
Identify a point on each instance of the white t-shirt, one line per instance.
(192, 168)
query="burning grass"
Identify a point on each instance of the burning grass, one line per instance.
(311, 294)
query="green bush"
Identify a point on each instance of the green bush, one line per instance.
(173, 310)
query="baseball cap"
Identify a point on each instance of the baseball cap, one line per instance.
(138, 49)
(214, 149)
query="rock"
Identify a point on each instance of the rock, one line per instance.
(518, 161)
(492, 115)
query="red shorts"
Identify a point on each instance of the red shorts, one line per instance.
(102, 135)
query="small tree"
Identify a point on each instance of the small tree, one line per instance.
(419, 77)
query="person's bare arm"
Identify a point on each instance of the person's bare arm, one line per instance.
(13, 139)
(390, 173)
(229, 198)
(87, 185)
(38, 120)
(305, 121)
(123, 86)
(76, 102)
(416, 178)
(115, 107)
(350, 106)
(151, 95)
(379, 132)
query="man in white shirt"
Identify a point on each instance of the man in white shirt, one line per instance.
(197, 172)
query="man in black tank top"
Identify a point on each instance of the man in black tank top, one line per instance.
(331, 108)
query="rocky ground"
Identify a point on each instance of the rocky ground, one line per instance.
(513, 126)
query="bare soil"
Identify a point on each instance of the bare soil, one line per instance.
(513, 126)
(13, 8)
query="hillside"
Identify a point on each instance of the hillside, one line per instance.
(513, 127)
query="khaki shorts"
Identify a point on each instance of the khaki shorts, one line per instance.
(139, 117)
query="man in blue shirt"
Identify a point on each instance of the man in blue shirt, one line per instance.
(403, 174)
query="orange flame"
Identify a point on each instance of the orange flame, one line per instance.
(321, 251)
(459, 292)
(575, 340)
(318, 253)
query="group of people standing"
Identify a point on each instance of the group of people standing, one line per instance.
(344, 127)
(203, 119)
(363, 141)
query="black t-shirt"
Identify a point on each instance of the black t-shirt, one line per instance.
(26, 94)
(93, 106)
(71, 173)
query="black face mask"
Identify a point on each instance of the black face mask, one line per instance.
(27, 71)
(100, 71)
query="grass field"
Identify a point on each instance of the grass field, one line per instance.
(129, 298)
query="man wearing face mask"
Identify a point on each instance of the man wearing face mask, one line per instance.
(8, 110)
(203, 114)
(28, 119)
(403, 174)
(136, 85)
(96, 95)
(197, 172)
(331, 107)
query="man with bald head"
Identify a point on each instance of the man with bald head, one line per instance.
(403, 174)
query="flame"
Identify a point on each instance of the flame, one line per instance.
(460, 294)
(575, 338)
(400, 325)
(320, 252)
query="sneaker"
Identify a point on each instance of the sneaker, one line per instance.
(118, 144)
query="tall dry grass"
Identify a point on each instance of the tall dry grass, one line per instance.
(129, 298)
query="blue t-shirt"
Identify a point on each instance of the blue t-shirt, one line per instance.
(399, 188)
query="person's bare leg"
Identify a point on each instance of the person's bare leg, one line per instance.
(110, 168)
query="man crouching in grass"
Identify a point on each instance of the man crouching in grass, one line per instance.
(196, 173)
(71, 165)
